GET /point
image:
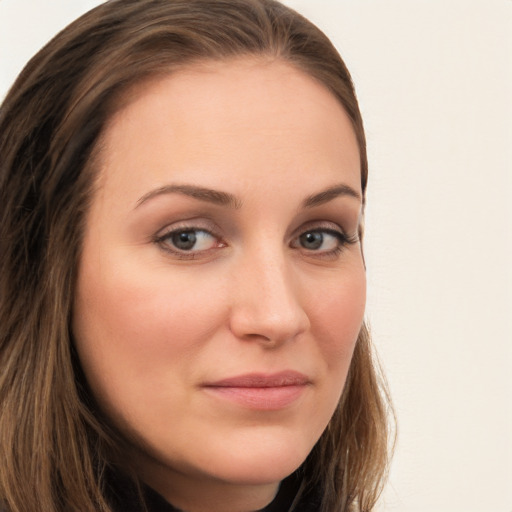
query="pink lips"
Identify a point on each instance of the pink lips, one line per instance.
(268, 392)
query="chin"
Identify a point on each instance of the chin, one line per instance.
(263, 459)
(260, 471)
(260, 457)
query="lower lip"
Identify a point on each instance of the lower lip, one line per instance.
(262, 399)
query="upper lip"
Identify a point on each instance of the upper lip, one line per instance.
(262, 380)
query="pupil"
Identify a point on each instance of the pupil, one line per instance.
(184, 240)
(311, 240)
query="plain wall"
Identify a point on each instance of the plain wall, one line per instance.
(434, 80)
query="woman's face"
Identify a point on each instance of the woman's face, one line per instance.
(221, 286)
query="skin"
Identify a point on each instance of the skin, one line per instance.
(154, 323)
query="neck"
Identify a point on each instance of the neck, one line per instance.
(207, 494)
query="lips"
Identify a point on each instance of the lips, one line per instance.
(259, 391)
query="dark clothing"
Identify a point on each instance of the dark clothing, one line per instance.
(124, 497)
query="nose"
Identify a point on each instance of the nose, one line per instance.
(266, 303)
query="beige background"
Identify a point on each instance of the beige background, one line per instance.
(435, 85)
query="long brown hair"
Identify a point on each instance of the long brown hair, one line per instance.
(54, 446)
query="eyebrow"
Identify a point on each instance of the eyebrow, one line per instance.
(202, 193)
(226, 199)
(329, 194)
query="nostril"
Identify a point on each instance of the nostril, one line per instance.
(270, 329)
(266, 300)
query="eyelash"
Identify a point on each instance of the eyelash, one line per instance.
(343, 241)
(164, 241)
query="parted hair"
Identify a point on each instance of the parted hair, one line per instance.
(55, 447)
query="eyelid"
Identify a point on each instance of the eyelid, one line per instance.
(320, 225)
(332, 229)
(189, 224)
(205, 225)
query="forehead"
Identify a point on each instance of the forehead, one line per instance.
(237, 111)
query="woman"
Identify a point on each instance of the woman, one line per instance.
(182, 282)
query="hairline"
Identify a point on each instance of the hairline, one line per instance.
(136, 88)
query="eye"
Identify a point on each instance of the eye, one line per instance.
(188, 242)
(192, 240)
(323, 242)
(319, 240)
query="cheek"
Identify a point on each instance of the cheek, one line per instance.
(336, 318)
(339, 311)
(134, 331)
